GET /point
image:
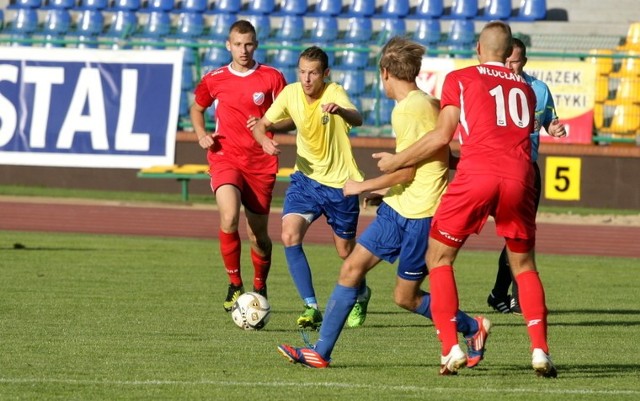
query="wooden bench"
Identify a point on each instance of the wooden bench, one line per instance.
(184, 173)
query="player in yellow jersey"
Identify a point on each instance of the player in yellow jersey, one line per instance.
(401, 227)
(323, 115)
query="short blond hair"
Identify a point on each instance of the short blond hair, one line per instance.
(402, 58)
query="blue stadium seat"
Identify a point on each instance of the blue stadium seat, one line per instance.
(56, 21)
(391, 27)
(359, 30)
(394, 8)
(66, 4)
(290, 74)
(193, 6)
(295, 7)
(261, 7)
(93, 4)
(327, 7)
(325, 29)
(353, 81)
(427, 32)
(184, 104)
(190, 25)
(497, 10)
(185, 43)
(461, 32)
(285, 57)
(361, 8)
(531, 10)
(380, 113)
(187, 77)
(261, 56)
(352, 59)
(262, 23)
(1, 19)
(123, 24)
(90, 24)
(464, 9)
(216, 57)
(226, 6)
(291, 28)
(159, 5)
(18, 4)
(158, 25)
(220, 24)
(24, 22)
(428, 9)
(125, 5)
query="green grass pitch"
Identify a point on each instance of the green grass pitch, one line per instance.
(87, 317)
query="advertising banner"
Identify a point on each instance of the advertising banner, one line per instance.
(572, 84)
(88, 107)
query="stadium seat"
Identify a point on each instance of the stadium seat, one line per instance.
(125, 5)
(158, 25)
(359, 30)
(293, 7)
(219, 25)
(1, 20)
(629, 66)
(632, 40)
(186, 44)
(497, 10)
(261, 7)
(531, 10)
(65, 4)
(90, 24)
(626, 119)
(93, 4)
(24, 22)
(291, 28)
(187, 77)
(628, 90)
(461, 32)
(598, 115)
(184, 104)
(394, 8)
(427, 32)
(123, 24)
(365, 8)
(285, 57)
(461, 9)
(193, 6)
(216, 57)
(261, 56)
(428, 9)
(380, 113)
(325, 29)
(159, 5)
(352, 58)
(262, 23)
(290, 74)
(18, 4)
(326, 7)
(602, 88)
(190, 25)
(604, 65)
(56, 22)
(391, 27)
(353, 81)
(226, 6)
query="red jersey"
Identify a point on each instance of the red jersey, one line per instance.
(239, 95)
(496, 118)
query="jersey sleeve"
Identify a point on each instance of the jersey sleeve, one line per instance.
(202, 96)
(549, 112)
(450, 91)
(278, 110)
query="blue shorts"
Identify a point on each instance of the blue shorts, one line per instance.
(391, 236)
(308, 197)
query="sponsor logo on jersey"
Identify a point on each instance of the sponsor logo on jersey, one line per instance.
(449, 236)
(258, 98)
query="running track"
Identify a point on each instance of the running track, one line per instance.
(34, 214)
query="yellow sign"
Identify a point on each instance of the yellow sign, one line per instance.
(562, 178)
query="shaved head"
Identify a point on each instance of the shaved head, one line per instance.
(495, 42)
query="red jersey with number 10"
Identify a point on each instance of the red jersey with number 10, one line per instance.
(496, 118)
(239, 95)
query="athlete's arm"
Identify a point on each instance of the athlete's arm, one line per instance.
(196, 112)
(269, 146)
(351, 116)
(424, 147)
(400, 176)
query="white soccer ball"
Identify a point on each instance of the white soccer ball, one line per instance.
(251, 311)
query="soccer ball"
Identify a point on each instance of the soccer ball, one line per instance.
(251, 311)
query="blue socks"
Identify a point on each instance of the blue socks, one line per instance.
(465, 324)
(338, 308)
(300, 272)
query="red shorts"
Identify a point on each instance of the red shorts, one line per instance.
(471, 199)
(256, 190)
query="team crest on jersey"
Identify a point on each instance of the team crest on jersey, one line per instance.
(258, 98)
(325, 119)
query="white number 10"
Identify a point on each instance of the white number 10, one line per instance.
(519, 115)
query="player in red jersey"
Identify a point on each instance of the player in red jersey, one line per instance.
(492, 108)
(241, 173)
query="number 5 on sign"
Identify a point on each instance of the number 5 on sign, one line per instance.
(562, 178)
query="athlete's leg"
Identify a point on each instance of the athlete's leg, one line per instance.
(261, 246)
(343, 298)
(228, 201)
(294, 228)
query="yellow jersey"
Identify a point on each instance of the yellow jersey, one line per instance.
(413, 117)
(324, 151)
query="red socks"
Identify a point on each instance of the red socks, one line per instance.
(444, 305)
(534, 310)
(261, 266)
(230, 246)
